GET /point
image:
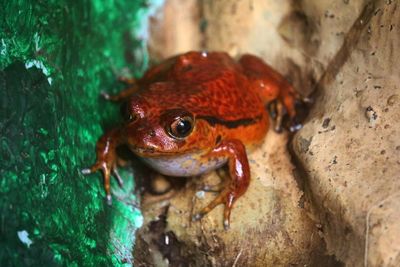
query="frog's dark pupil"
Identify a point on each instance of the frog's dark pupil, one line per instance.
(130, 117)
(183, 127)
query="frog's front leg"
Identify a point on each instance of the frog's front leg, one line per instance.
(106, 159)
(239, 171)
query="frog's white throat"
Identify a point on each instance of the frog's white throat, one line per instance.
(186, 165)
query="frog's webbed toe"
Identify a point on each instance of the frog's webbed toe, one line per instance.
(126, 80)
(295, 126)
(118, 176)
(124, 94)
(121, 96)
(105, 95)
(288, 111)
(226, 197)
(301, 107)
(277, 111)
(106, 170)
(106, 160)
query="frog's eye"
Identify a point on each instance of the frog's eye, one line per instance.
(181, 127)
(131, 118)
(126, 113)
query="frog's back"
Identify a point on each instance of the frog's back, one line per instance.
(213, 87)
(209, 84)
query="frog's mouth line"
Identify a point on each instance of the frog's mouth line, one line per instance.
(151, 152)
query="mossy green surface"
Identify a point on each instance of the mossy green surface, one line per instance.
(55, 58)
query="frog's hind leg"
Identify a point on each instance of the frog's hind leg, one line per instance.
(239, 171)
(274, 89)
(127, 81)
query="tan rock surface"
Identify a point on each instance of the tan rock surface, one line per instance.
(350, 147)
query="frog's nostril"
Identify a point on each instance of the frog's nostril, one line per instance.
(140, 128)
(152, 133)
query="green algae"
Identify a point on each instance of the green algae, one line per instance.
(55, 58)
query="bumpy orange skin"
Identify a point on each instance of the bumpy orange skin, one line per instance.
(226, 101)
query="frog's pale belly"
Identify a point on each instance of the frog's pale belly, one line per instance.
(184, 165)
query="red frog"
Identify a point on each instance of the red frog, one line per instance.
(194, 113)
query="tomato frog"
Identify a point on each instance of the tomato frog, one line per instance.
(195, 113)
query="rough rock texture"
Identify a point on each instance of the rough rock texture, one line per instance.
(298, 38)
(167, 26)
(345, 156)
(350, 146)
